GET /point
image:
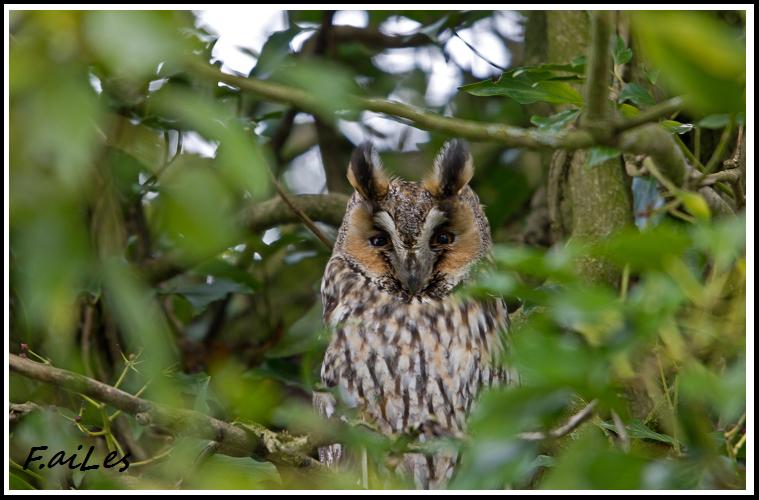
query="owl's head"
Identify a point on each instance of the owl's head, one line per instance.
(414, 239)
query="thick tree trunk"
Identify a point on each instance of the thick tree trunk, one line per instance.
(585, 203)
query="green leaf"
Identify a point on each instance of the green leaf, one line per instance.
(622, 54)
(699, 56)
(637, 94)
(19, 483)
(196, 210)
(302, 336)
(724, 391)
(715, 121)
(676, 127)
(600, 154)
(201, 397)
(652, 76)
(554, 122)
(644, 250)
(526, 93)
(274, 52)
(528, 84)
(725, 240)
(332, 82)
(133, 43)
(201, 295)
(638, 430)
(240, 157)
(590, 463)
(220, 268)
(579, 62)
(628, 110)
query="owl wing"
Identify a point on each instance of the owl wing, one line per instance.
(325, 403)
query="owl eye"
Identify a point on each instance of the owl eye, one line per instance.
(443, 238)
(378, 240)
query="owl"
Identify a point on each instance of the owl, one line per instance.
(406, 352)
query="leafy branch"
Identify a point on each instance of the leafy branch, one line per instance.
(242, 439)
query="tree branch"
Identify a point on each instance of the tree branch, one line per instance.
(570, 425)
(599, 68)
(654, 141)
(731, 175)
(232, 440)
(249, 439)
(651, 114)
(467, 129)
(303, 216)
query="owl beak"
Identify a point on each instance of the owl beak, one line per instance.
(413, 283)
(412, 275)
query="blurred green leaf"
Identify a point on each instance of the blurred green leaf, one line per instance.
(19, 483)
(53, 253)
(274, 52)
(555, 122)
(240, 158)
(302, 336)
(699, 56)
(589, 463)
(133, 43)
(332, 83)
(720, 120)
(600, 154)
(725, 240)
(202, 294)
(638, 430)
(61, 102)
(645, 250)
(621, 54)
(628, 111)
(676, 127)
(725, 392)
(637, 94)
(197, 211)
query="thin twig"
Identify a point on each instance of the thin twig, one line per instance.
(621, 431)
(664, 108)
(301, 214)
(573, 423)
(477, 52)
(719, 151)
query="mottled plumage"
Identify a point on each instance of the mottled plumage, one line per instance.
(405, 350)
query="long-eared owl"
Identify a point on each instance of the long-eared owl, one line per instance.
(406, 351)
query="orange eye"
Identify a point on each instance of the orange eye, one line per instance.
(443, 238)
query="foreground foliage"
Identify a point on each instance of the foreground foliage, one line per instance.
(132, 259)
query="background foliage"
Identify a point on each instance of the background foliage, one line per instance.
(145, 265)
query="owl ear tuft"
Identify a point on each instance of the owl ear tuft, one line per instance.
(452, 170)
(366, 175)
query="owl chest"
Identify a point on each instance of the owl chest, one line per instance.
(405, 365)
